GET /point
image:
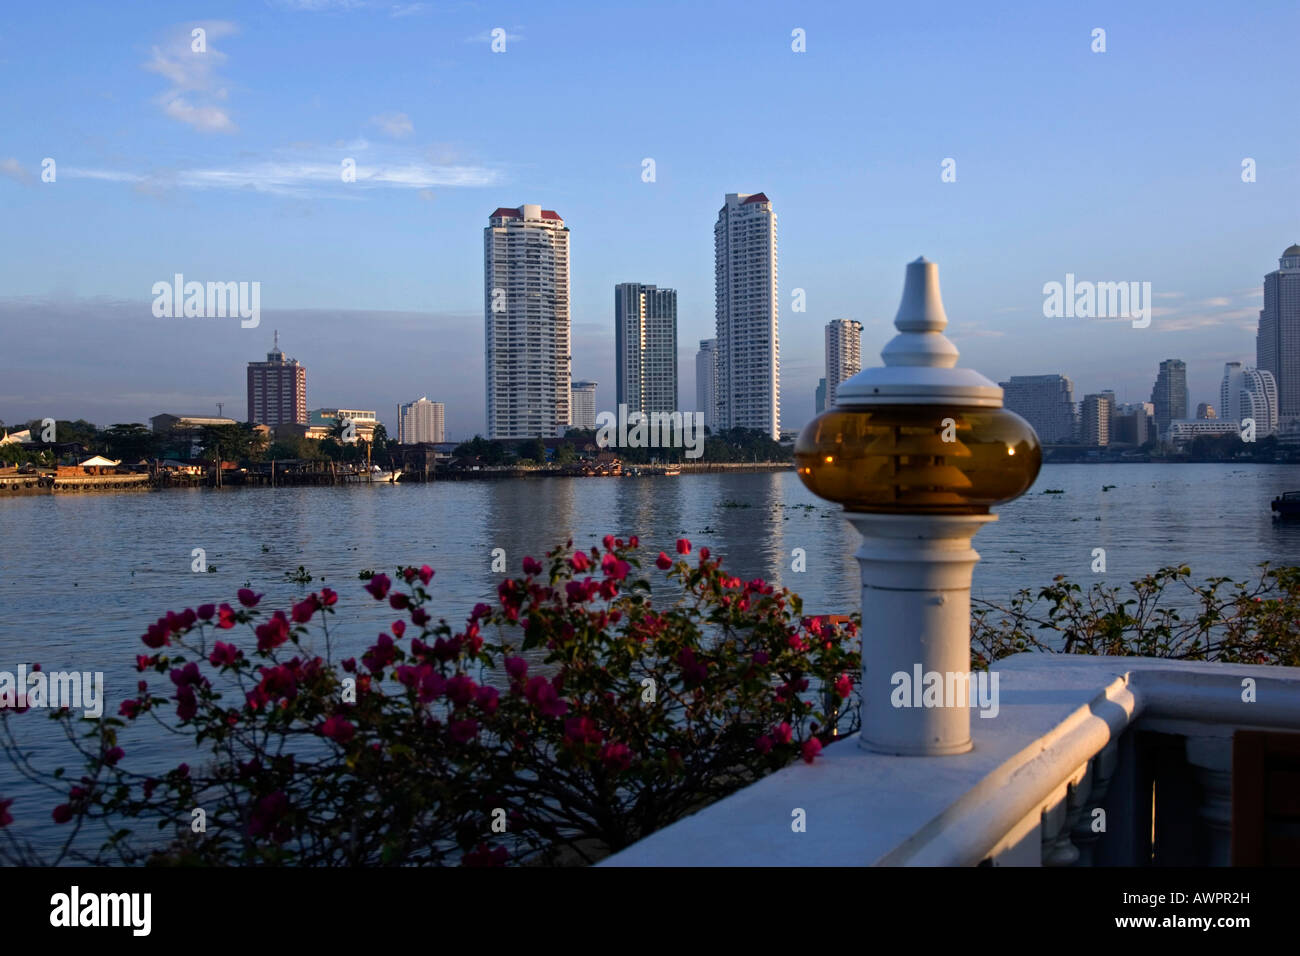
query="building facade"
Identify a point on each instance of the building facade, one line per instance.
(526, 322)
(277, 390)
(583, 405)
(1277, 344)
(745, 296)
(1169, 395)
(843, 354)
(821, 395)
(421, 421)
(706, 382)
(1206, 411)
(1094, 418)
(1132, 424)
(1046, 402)
(1249, 393)
(645, 347)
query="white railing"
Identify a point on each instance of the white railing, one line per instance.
(1073, 735)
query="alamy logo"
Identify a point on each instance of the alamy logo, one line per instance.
(945, 689)
(193, 300)
(1098, 300)
(71, 689)
(656, 430)
(133, 910)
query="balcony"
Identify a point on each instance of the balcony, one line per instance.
(1089, 761)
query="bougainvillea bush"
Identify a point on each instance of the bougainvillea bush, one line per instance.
(562, 723)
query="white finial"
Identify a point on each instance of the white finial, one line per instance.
(921, 321)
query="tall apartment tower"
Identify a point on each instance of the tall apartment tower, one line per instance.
(843, 354)
(749, 358)
(1249, 393)
(1277, 344)
(1169, 395)
(277, 390)
(820, 395)
(645, 347)
(526, 322)
(583, 408)
(1094, 418)
(1046, 402)
(421, 421)
(706, 382)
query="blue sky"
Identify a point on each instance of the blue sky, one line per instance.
(1122, 165)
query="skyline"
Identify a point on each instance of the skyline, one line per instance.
(1112, 166)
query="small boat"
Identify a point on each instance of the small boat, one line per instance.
(379, 474)
(1287, 505)
(672, 470)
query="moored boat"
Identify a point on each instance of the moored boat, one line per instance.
(1287, 505)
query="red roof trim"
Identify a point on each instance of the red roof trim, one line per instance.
(757, 197)
(507, 213)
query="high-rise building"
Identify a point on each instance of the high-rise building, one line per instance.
(1277, 344)
(706, 382)
(1205, 412)
(1249, 393)
(1131, 424)
(745, 284)
(583, 405)
(1094, 418)
(421, 421)
(277, 390)
(821, 395)
(1046, 402)
(645, 347)
(843, 354)
(526, 322)
(1169, 395)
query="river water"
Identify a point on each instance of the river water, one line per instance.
(81, 576)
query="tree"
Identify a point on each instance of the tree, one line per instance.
(129, 442)
(534, 449)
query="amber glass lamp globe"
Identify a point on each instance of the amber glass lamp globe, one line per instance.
(918, 435)
(918, 459)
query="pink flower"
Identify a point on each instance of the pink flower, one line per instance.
(111, 757)
(614, 568)
(811, 748)
(582, 730)
(62, 813)
(488, 699)
(272, 633)
(398, 601)
(5, 817)
(223, 655)
(398, 628)
(248, 598)
(380, 655)
(426, 574)
(663, 562)
(205, 611)
(616, 757)
(531, 566)
(481, 610)
(337, 729)
(482, 856)
(156, 635)
(328, 598)
(419, 616)
(461, 690)
(225, 617)
(304, 609)
(683, 546)
(579, 561)
(608, 542)
(693, 671)
(763, 744)
(129, 709)
(704, 555)
(463, 731)
(634, 542)
(844, 686)
(543, 695)
(378, 586)
(516, 667)
(781, 733)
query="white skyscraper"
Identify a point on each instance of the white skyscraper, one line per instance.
(1249, 393)
(749, 357)
(526, 322)
(584, 405)
(706, 382)
(421, 421)
(843, 354)
(645, 347)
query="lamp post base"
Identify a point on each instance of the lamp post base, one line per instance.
(916, 579)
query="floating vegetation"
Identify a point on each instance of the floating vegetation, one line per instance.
(735, 504)
(367, 574)
(1107, 487)
(1053, 491)
(301, 576)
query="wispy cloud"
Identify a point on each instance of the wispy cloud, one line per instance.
(15, 170)
(190, 64)
(311, 172)
(407, 9)
(397, 125)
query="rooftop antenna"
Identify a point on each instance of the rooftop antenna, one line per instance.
(277, 340)
(221, 409)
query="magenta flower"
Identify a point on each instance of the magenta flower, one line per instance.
(463, 731)
(272, 633)
(543, 695)
(579, 562)
(663, 562)
(426, 574)
(62, 813)
(419, 616)
(304, 609)
(378, 586)
(247, 597)
(487, 699)
(531, 566)
(461, 690)
(763, 744)
(398, 601)
(111, 757)
(5, 817)
(782, 733)
(683, 546)
(205, 611)
(516, 667)
(844, 686)
(337, 729)
(811, 748)
(616, 757)
(483, 856)
(225, 617)
(328, 598)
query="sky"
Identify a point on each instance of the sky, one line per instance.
(224, 165)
